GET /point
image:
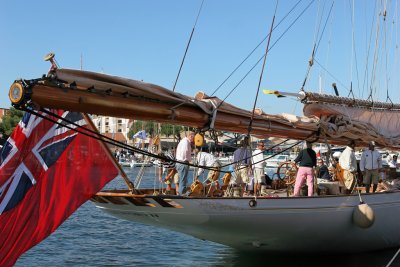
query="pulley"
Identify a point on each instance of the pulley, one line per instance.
(199, 139)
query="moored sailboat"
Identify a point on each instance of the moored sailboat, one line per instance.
(247, 223)
(270, 223)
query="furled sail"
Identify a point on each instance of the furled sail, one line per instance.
(356, 119)
(101, 94)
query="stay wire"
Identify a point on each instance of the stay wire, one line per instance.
(354, 50)
(259, 60)
(184, 56)
(315, 48)
(262, 41)
(262, 71)
(187, 47)
(366, 71)
(93, 134)
(273, 155)
(97, 136)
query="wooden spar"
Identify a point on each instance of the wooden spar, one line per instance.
(308, 97)
(101, 94)
(133, 107)
(347, 101)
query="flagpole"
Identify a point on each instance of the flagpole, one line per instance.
(107, 149)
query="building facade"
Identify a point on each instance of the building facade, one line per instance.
(3, 111)
(113, 126)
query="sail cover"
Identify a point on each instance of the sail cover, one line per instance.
(358, 123)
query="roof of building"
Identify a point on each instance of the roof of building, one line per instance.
(116, 136)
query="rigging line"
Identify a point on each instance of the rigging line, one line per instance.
(355, 52)
(316, 46)
(184, 57)
(386, 54)
(187, 47)
(330, 74)
(90, 123)
(273, 155)
(375, 59)
(283, 150)
(93, 134)
(393, 258)
(317, 25)
(352, 46)
(323, 29)
(262, 71)
(88, 132)
(259, 60)
(396, 50)
(366, 79)
(262, 41)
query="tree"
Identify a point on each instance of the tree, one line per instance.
(8, 123)
(141, 125)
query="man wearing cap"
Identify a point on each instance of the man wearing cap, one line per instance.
(348, 163)
(370, 165)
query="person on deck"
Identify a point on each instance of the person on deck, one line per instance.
(322, 170)
(242, 160)
(307, 159)
(370, 165)
(184, 155)
(393, 165)
(348, 163)
(258, 167)
(167, 164)
(208, 160)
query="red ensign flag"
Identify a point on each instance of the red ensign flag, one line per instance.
(46, 172)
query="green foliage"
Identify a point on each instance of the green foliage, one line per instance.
(8, 123)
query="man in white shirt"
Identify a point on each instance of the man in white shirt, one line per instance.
(258, 167)
(184, 155)
(370, 165)
(348, 162)
(208, 160)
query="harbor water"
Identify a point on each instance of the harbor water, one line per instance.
(92, 238)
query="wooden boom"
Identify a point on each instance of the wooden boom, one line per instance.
(101, 94)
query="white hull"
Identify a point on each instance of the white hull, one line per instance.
(305, 224)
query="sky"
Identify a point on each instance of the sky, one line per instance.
(146, 39)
